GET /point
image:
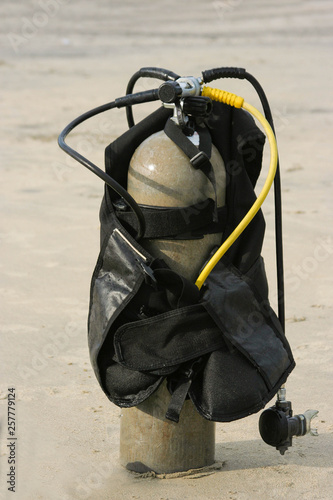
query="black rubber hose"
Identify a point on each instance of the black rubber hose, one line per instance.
(149, 72)
(226, 72)
(242, 74)
(147, 96)
(278, 204)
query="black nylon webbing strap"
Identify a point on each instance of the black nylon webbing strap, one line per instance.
(181, 222)
(177, 400)
(199, 157)
(162, 222)
(182, 292)
(205, 144)
(185, 377)
(174, 132)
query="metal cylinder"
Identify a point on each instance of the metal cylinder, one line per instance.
(160, 174)
(148, 441)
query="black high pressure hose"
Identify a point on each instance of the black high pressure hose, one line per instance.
(242, 74)
(147, 96)
(127, 101)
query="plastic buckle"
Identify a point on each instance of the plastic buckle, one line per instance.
(199, 160)
(148, 274)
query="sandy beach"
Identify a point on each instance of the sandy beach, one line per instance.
(60, 58)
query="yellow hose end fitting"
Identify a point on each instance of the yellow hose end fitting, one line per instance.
(223, 96)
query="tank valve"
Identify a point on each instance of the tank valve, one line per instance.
(277, 425)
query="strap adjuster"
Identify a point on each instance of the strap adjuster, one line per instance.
(148, 273)
(199, 160)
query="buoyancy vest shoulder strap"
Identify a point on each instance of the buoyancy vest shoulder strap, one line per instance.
(199, 157)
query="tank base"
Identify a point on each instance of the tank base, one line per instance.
(150, 442)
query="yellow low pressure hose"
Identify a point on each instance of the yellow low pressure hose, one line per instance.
(238, 102)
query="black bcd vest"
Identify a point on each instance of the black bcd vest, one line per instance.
(223, 346)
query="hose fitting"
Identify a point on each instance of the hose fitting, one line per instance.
(225, 72)
(223, 96)
(278, 425)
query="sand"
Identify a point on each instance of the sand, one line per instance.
(59, 58)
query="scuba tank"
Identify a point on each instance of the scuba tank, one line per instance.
(179, 292)
(161, 174)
